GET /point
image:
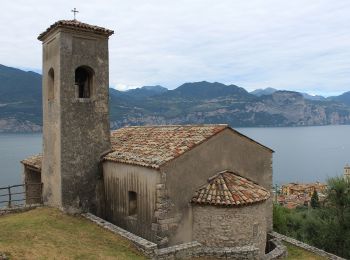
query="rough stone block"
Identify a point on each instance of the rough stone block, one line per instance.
(164, 227)
(161, 193)
(164, 241)
(155, 227)
(173, 226)
(167, 221)
(160, 186)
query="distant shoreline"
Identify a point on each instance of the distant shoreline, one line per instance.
(15, 131)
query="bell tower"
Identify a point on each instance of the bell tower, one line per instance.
(75, 112)
(347, 172)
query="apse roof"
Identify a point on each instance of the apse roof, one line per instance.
(229, 189)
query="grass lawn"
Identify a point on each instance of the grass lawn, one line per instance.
(296, 253)
(47, 233)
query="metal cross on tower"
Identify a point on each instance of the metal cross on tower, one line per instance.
(74, 11)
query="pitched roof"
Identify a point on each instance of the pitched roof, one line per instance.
(33, 161)
(76, 25)
(152, 146)
(229, 189)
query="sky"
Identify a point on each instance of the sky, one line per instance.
(296, 45)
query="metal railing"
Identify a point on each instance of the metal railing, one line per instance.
(18, 194)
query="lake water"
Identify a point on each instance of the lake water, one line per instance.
(13, 149)
(303, 154)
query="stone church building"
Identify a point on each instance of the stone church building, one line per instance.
(169, 184)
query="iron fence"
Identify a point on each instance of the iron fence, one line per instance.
(18, 195)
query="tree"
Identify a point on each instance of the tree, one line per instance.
(338, 202)
(315, 203)
(326, 227)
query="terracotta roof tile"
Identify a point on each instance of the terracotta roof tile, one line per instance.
(152, 146)
(229, 189)
(76, 25)
(33, 161)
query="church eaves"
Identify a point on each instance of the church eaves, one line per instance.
(76, 25)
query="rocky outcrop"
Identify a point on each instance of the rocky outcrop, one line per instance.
(282, 108)
(13, 125)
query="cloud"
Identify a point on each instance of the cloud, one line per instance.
(294, 45)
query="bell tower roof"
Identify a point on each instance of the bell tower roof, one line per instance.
(76, 26)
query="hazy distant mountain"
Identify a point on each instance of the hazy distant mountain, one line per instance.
(156, 89)
(206, 90)
(20, 100)
(197, 102)
(263, 91)
(146, 91)
(17, 85)
(344, 98)
(268, 91)
(204, 102)
(311, 97)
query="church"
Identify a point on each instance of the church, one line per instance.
(169, 184)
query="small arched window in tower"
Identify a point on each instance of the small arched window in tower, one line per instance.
(83, 81)
(50, 85)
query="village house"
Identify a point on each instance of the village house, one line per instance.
(301, 189)
(295, 194)
(347, 172)
(169, 184)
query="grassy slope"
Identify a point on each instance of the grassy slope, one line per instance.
(46, 233)
(296, 253)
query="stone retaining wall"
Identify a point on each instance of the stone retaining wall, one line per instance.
(188, 250)
(145, 246)
(235, 253)
(195, 249)
(276, 249)
(181, 251)
(5, 211)
(3, 256)
(307, 247)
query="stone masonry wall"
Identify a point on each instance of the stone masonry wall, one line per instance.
(307, 247)
(6, 211)
(230, 227)
(225, 151)
(190, 250)
(275, 249)
(32, 180)
(182, 251)
(165, 221)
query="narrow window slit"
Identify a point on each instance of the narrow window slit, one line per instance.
(50, 85)
(132, 203)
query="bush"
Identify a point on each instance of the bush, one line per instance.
(326, 227)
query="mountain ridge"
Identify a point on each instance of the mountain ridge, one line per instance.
(191, 103)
